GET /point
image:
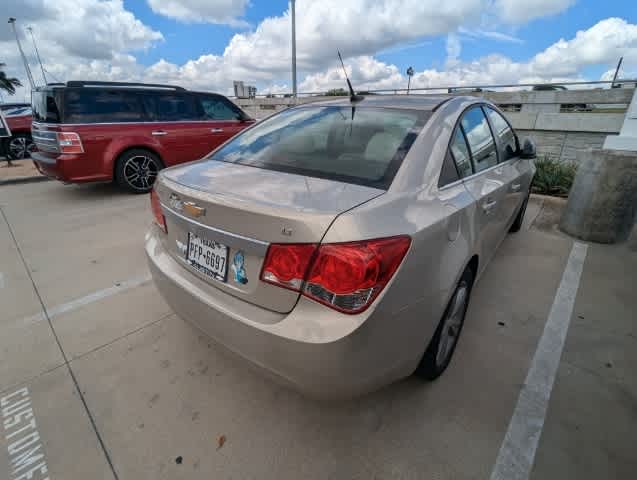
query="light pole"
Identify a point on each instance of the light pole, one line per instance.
(293, 47)
(37, 52)
(24, 59)
(410, 73)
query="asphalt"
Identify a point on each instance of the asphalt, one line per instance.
(121, 388)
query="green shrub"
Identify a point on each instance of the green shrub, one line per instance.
(553, 177)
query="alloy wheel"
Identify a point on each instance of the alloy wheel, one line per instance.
(452, 324)
(140, 172)
(19, 148)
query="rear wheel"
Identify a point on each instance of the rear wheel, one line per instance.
(19, 146)
(137, 169)
(440, 350)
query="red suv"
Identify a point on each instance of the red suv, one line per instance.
(127, 132)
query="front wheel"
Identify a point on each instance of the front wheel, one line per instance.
(137, 170)
(440, 350)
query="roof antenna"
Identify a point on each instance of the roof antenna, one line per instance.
(352, 95)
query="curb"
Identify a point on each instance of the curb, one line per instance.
(19, 180)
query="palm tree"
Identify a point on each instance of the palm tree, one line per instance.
(6, 83)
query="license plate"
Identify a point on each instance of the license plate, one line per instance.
(207, 257)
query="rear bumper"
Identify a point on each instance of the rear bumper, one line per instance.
(66, 168)
(317, 351)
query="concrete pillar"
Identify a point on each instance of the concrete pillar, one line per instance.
(602, 203)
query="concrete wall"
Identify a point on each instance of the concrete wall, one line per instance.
(546, 117)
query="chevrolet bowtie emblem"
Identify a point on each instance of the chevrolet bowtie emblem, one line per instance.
(194, 210)
(191, 208)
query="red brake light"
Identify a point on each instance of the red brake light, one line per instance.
(69, 142)
(157, 213)
(344, 276)
(286, 265)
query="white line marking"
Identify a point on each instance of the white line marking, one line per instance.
(1, 280)
(90, 298)
(517, 452)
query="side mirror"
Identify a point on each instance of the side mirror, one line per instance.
(528, 149)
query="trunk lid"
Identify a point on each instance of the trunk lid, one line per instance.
(245, 209)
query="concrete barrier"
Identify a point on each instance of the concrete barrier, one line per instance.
(602, 203)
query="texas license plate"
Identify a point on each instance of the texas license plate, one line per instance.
(207, 257)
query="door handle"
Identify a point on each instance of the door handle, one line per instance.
(158, 133)
(488, 205)
(515, 187)
(216, 130)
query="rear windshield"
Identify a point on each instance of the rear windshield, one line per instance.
(351, 144)
(45, 104)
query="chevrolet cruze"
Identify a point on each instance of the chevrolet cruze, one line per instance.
(335, 244)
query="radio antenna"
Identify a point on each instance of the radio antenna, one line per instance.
(352, 95)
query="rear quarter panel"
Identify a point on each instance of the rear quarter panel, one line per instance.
(104, 143)
(440, 225)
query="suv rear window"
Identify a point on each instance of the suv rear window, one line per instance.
(45, 104)
(102, 106)
(357, 145)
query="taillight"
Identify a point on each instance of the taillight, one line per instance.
(286, 264)
(344, 276)
(69, 142)
(157, 213)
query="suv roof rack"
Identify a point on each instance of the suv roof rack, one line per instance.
(88, 83)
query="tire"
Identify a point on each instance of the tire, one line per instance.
(443, 344)
(517, 223)
(137, 169)
(19, 146)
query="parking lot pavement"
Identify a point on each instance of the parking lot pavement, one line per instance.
(123, 389)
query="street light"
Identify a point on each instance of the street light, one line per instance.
(293, 47)
(410, 73)
(24, 59)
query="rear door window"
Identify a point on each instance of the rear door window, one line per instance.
(170, 107)
(460, 152)
(88, 105)
(218, 108)
(481, 143)
(504, 132)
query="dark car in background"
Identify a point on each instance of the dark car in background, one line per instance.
(126, 132)
(18, 118)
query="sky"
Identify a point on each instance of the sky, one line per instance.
(206, 44)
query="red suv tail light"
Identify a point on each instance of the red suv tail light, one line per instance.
(69, 142)
(157, 213)
(344, 276)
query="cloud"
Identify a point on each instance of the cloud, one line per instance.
(365, 72)
(492, 34)
(603, 43)
(202, 11)
(454, 47)
(516, 11)
(97, 39)
(565, 60)
(77, 39)
(356, 27)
